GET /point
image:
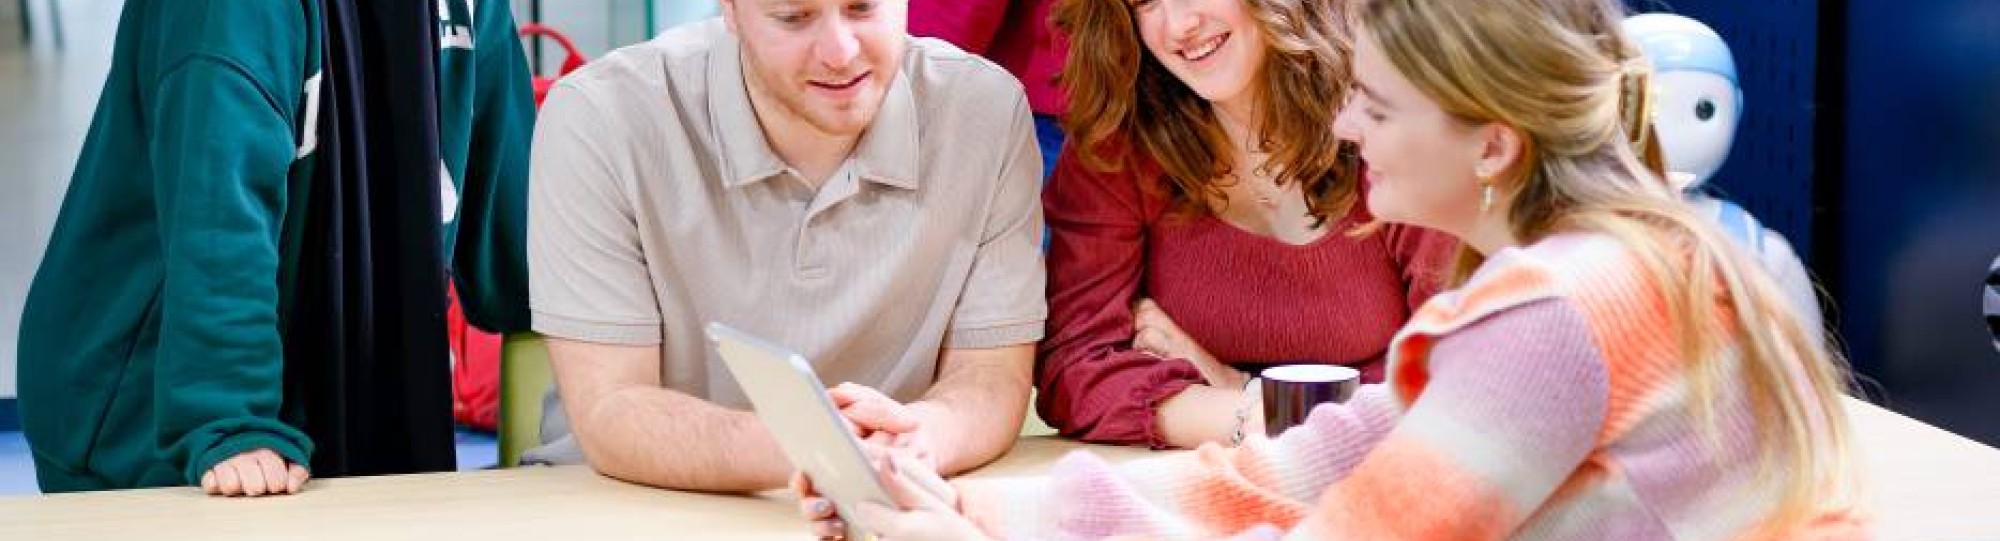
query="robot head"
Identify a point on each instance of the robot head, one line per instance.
(1698, 101)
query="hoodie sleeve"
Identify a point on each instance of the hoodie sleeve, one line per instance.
(223, 148)
(490, 265)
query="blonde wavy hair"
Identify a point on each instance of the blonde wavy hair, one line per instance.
(1563, 75)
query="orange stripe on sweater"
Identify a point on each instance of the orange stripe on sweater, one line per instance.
(1635, 332)
(1228, 495)
(1407, 490)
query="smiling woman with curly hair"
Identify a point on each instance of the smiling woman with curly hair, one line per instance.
(1200, 217)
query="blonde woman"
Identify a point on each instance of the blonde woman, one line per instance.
(1608, 366)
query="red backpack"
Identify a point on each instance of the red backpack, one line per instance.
(571, 63)
(475, 370)
(475, 354)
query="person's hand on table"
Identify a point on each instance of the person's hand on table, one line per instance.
(882, 421)
(1155, 333)
(257, 472)
(925, 509)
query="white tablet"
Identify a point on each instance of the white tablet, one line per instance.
(793, 405)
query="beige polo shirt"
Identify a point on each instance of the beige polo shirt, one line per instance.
(657, 206)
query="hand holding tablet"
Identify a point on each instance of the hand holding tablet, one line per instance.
(792, 403)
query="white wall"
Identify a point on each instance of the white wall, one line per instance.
(599, 26)
(584, 21)
(680, 11)
(46, 98)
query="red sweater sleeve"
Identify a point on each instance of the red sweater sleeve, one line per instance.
(969, 24)
(1092, 385)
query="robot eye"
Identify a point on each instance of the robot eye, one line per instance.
(1704, 110)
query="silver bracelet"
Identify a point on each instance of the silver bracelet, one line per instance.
(1243, 412)
(1236, 437)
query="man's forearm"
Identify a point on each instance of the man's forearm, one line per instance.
(659, 437)
(973, 414)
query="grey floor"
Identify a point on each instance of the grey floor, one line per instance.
(17, 471)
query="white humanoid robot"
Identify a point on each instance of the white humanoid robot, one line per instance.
(1697, 107)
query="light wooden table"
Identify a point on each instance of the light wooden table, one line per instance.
(1928, 484)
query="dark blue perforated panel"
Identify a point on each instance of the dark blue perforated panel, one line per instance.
(1908, 193)
(1920, 200)
(1770, 169)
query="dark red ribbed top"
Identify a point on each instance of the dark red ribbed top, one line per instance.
(1246, 298)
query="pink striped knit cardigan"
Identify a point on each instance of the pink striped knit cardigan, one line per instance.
(1544, 399)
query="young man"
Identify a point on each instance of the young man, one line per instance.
(807, 172)
(164, 325)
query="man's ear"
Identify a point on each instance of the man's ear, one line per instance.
(729, 17)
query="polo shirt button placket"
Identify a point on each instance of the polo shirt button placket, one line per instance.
(814, 272)
(811, 253)
(811, 260)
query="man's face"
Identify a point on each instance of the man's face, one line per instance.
(827, 63)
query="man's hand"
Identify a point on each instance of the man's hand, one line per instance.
(880, 420)
(257, 472)
(1153, 332)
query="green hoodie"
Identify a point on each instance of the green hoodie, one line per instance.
(150, 343)
(487, 110)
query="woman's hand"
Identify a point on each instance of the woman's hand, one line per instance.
(926, 508)
(257, 472)
(1153, 332)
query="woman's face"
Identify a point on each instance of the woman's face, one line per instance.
(1213, 46)
(1422, 164)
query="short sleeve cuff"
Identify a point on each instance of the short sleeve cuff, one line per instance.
(597, 332)
(992, 336)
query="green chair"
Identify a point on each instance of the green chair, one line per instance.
(524, 377)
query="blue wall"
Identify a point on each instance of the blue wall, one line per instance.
(1871, 138)
(1921, 199)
